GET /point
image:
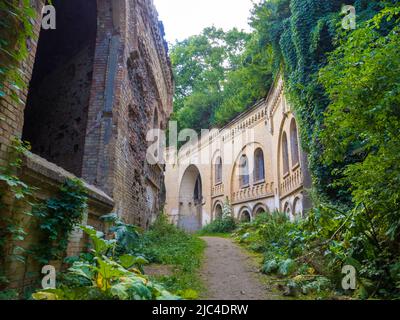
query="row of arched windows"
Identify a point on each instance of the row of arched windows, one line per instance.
(294, 144)
(259, 168)
(244, 174)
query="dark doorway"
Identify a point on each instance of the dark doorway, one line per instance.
(58, 100)
(218, 212)
(245, 216)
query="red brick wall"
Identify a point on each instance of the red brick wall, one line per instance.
(124, 95)
(12, 113)
(132, 80)
(116, 144)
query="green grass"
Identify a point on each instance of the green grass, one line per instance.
(167, 245)
(214, 234)
(223, 226)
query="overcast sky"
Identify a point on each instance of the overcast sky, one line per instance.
(183, 18)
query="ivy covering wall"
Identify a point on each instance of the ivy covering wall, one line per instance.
(15, 29)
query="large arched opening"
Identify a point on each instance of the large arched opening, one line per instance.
(191, 200)
(56, 113)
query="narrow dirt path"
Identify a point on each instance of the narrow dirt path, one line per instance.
(229, 273)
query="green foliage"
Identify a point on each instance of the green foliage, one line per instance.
(220, 225)
(267, 232)
(126, 235)
(363, 119)
(285, 246)
(320, 245)
(247, 84)
(218, 75)
(104, 278)
(317, 285)
(362, 123)
(57, 218)
(113, 269)
(286, 267)
(165, 244)
(15, 29)
(302, 33)
(9, 295)
(15, 199)
(201, 62)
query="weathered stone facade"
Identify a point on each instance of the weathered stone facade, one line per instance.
(95, 86)
(255, 162)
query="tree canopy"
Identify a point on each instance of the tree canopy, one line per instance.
(218, 74)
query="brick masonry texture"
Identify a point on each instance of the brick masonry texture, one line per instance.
(95, 86)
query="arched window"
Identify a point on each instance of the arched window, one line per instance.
(297, 208)
(259, 174)
(285, 154)
(245, 216)
(287, 211)
(244, 172)
(218, 212)
(294, 142)
(218, 171)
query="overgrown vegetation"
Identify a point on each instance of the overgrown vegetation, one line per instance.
(165, 244)
(221, 225)
(103, 275)
(15, 29)
(57, 218)
(309, 254)
(288, 253)
(113, 269)
(218, 74)
(16, 198)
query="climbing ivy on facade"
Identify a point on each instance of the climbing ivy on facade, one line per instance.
(15, 29)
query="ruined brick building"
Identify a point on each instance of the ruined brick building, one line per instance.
(95, 86)
(98, 83)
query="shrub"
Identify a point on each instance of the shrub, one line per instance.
(105, 277)
(166, 244)
(221, 225)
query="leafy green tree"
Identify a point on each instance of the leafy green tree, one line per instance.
(248, 83)
(362, 121)
(200, 65)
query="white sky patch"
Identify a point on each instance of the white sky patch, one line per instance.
(184, 18)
